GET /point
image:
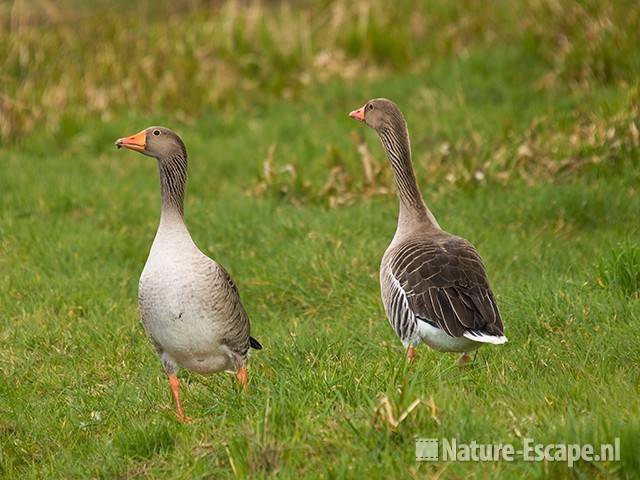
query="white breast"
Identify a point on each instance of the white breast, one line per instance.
(175, 300)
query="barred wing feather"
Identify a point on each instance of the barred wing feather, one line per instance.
(443, 282)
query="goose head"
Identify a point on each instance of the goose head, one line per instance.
(380, 114)
(157, 142)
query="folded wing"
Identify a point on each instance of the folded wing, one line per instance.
(445, 284)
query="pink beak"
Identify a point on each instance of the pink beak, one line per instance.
(358, 114)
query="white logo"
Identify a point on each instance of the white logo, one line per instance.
(449, 449)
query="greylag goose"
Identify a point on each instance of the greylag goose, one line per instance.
(433, 284)
(189, 305)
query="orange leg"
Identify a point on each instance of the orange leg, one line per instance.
(464, 359)
(174, 383)
(411, 353)
(241, 375)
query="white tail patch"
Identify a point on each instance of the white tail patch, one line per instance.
(484, 338)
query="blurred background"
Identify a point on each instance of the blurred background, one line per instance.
(563, 66)
(524, 119)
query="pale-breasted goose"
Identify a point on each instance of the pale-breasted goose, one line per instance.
(434, 286)
(189, 306)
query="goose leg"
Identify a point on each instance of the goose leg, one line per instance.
(411, 353)
(464, 359)
(241, 375)
(174, 383)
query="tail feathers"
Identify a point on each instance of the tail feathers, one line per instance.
(485, 338)
(255, 344)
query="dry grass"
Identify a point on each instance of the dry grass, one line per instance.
(543, 152)
(66, 62)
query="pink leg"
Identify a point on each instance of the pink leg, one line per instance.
(411, 353)
(241, 375)
(174, 383)
(464, 359)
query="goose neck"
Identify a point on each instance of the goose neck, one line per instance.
(412, 207)
(173, 179)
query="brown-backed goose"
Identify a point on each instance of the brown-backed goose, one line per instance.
(189, 306)
(433, 284)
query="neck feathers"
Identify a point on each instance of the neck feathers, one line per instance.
(396, 144)
(395, 140)
(173, 178)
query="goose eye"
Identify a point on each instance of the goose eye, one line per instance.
(370, 106)
(156, 132)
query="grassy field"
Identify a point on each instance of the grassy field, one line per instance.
(525, 128)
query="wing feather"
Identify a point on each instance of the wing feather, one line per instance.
(444, 282)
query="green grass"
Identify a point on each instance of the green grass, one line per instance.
(554, 212)
(621, 269)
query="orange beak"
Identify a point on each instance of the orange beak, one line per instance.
(135, 142)
(358, 114)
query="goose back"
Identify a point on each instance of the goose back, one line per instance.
(432, 280)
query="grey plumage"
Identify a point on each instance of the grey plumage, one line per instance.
(189, 305)
(438, 279)
(433, 284)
